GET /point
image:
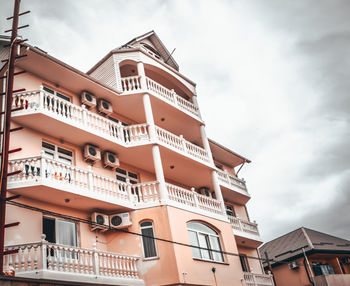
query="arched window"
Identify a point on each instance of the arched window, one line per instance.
(206, 238)
(148, 242)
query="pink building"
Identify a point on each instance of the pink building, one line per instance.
(117, 152)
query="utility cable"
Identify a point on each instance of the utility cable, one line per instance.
(77, 219)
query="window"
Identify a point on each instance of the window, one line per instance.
(57, 153)
(149, 245)
(123, 175)
(322, 269)
(206, 238)
(60, 95)
(230, 210)
(61, 232)
(244, 262)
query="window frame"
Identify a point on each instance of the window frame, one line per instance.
(244, 258)
(127, 176)
(154, 240)
(57, 93)
(208, 240)
(227, 206)
(56, 153)
(77, 237)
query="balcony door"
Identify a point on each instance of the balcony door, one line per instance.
(60, 231)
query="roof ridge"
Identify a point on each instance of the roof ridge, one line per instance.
(307, 237)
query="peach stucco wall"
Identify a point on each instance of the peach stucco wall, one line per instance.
(254, 264)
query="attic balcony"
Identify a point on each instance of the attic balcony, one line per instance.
(246, 232)
(254, 279)
(44, 260)
(135, 84)
(59, 118)
(233, 188)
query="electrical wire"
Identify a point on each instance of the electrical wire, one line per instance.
(81, 220)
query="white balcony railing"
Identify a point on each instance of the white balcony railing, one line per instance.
(231, 181)
(133, 84)
(180, 144)
(244, 226)
(80, 117)
(84, 182)
(192, 200)
(253, 279)
(89, 264)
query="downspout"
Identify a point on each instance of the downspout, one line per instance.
(308, 268)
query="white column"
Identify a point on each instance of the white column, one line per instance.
(157, 161)
(195, 102)
(206, 143)
(149, 115)
(141, 72)
(217, 191)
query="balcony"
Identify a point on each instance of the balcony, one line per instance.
(234, 189)
(133, 84)
(80, 125)
(247, 232)
(194, 202)
(44, 260)
(43, 177)
(253, 279)
(56, 181)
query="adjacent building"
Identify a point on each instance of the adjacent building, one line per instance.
(119, 179)
(308, 257)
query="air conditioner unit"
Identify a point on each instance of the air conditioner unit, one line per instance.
(293, 265)
(99, 221)
(110, 160)
(88, 99)
(120, 220)
(91, 153)
(104, 107)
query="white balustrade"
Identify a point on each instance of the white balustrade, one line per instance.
(131, 83)
(231, 180)
(243, 225)
(193, 200)
(160, 90)
(35, 168)
(254, 279)
(80, 116)
(179, 143)
(145, 193)
(136, 133)
(61, 258)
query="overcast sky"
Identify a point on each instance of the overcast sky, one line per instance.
(272, 82)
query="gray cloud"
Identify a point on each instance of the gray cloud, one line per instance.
(272, 84)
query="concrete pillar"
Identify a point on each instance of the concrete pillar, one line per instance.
(141, 72)
(217, 190)
(195, 102)
(149, 115)
(206, 143)
(157, 161)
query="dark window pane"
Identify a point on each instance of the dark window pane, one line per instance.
(133, 175)
(48, 90)
(244, 263)
(146, 223)
(49, 229)
(149, 245)
(48, 146)
(121, 171)
(64, 151)
(120, 178)
(60, 95)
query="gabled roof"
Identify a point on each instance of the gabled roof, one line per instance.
(158, 45)
(290, 245)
